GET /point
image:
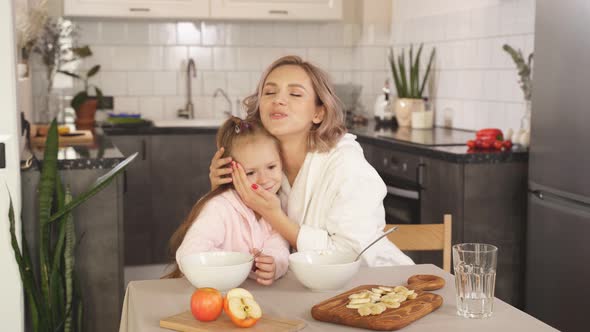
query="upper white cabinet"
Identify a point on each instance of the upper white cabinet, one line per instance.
(138, 8)
(297, 10)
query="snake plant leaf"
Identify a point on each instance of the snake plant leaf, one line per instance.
(411, 71)
(402, 69)
(432, 53)
(70, 239)
(46, 190)
(56, 279)
(23, 261)
(100, 184)
(396, 78)
(416, 68)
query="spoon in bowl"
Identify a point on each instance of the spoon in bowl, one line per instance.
(376, 240)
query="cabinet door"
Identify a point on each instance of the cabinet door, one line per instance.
(299, 10)
(180, 165)
(137, 8)
(138, 221)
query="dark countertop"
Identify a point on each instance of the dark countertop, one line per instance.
(423, 142)
(440, 143)
(153, 130)
(102, 154)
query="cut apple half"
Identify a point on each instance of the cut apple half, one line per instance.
(242, 308)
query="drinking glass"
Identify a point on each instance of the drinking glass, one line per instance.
(475, 278)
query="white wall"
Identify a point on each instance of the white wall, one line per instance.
(474, 77)
(11, 301)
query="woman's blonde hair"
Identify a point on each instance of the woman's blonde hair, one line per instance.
(322, 136)
(232, 130)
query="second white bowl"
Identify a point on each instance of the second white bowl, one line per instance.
(324, 270)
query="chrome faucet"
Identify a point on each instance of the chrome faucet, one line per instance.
(189, 109)
(229, 104)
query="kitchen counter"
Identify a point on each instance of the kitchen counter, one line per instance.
(101, 154)
(438, 143)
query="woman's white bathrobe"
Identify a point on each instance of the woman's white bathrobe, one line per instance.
(337, 199)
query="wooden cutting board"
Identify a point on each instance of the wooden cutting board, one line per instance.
(334, 309)
(78, 137)
(187, 323)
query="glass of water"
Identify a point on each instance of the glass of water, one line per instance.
(475, 278)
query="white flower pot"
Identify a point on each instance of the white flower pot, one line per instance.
(404, 107)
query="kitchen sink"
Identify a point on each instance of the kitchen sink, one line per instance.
(210, 122)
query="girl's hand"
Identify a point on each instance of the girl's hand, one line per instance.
(218, 168)
(254, 196)
(265, 269)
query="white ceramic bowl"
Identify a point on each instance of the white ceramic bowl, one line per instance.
(324, 270)
(223, 270)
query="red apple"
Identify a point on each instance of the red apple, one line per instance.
(206, 304)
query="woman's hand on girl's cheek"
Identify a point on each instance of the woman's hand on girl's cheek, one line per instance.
(265, 269)
(256, 198)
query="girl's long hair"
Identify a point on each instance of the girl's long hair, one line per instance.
(230, 131)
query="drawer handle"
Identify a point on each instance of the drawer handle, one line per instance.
(139, 9)
(278, 12)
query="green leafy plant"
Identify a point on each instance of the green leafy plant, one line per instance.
(84, 95)
(53, 293)
(407, 78)
(524, 70)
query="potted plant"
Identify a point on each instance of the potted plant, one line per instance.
(83, 102)
(51, 288)
(407, 81)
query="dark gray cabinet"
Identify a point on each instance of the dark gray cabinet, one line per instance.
(138, 200)
(171, 175)
(487, 202)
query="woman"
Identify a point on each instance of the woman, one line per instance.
(333, 197)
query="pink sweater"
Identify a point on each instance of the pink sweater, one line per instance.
(226, 224)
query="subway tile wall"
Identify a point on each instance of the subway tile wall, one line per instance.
(143, 63)
(475, 82)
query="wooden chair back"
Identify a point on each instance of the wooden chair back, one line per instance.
(425, 237)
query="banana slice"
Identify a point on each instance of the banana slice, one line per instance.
(356, 306)
(377, 291)
(365, 310)
(359, 301)
(412, 296)
(377, 308)
(392, 305)
(386, 289)
(399, 289)
(361, 295)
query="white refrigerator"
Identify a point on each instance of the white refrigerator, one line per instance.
(11, 301)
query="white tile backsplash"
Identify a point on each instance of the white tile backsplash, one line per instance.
(144, 62)
(477, 79)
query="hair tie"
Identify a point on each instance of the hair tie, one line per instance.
(242, 126)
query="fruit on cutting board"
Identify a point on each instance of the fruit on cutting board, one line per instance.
(242, 309)
(377, 300)
(206, 304)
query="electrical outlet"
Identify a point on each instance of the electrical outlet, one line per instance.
(107, 103)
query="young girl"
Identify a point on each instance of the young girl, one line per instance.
(220, 221)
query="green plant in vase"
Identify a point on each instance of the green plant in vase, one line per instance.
(525, 73)
(52, 292)
(409, 86)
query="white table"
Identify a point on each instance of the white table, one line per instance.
(146, 302)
